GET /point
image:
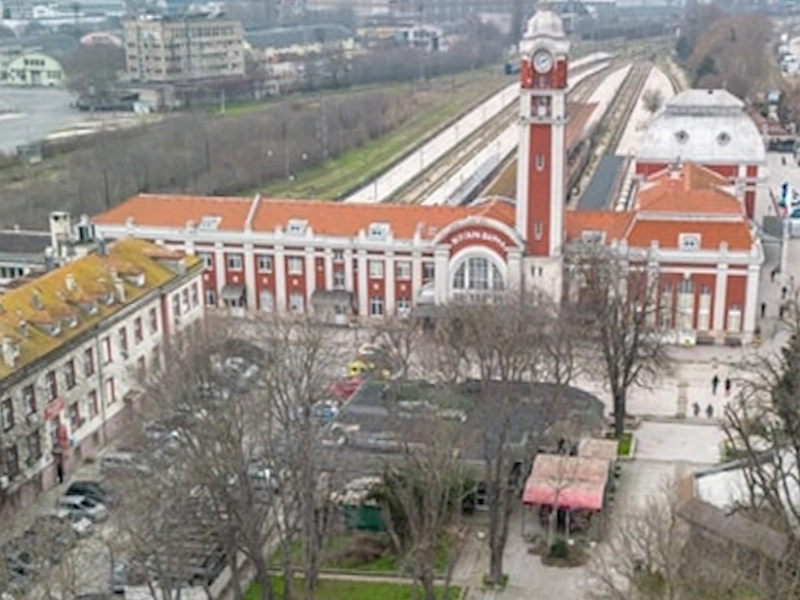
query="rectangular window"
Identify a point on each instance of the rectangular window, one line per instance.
(92, 403)
(689, 241)
(51, 383)
(138, 330)
(338, 256)
(264, 263)
(403, 269)
(88, 362)
(338, 280)
(176, 305)
(11, 461)
(74, 412)
(403, 307)
(185, 299)
(34, 443)
(735, 319)
(296, 303)
(155, 361)
(685, 305)
(29, 399)
(266, 301)
(428, 271)
(704, 309)
(111, 392)
(6, 414)
(376, 306)
(105, 348)
(211, 298)
(123, 340)
(538, 230)
(207, 258)
(69, 374)
(665, 307)
(295, 266)
(234, 261)
(540, 162)
(153, 319)
(195, 295)
(376, 269)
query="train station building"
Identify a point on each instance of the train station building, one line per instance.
(344, 261)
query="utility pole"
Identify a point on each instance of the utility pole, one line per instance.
(516, 22)
(323, 125)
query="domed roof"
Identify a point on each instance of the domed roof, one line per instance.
(705, 127)
(545, 22)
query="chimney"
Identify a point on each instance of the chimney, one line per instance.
(23, 327)
(60, 231)
(119, 286)
(69, 281)
(101, 246)
(10, 352)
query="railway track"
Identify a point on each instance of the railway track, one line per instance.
(449, 165)
(625, 102)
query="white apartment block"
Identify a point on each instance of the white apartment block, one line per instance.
(78, 343)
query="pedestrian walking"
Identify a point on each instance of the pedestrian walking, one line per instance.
(696, 409)
(709, 411)
(784, 291)
(714, 384)
(728, 386)
(781, 311)
(763, 309)
(772, 274)
(60, 472)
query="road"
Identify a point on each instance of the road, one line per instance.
(34, 114)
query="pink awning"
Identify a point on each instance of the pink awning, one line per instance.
(573, 482)
(576, 495)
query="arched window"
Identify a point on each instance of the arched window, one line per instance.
(477, 274)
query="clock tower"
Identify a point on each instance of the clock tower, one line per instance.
(542, 154)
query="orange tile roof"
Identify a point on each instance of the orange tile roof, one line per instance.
(666, 232)
(28, 311)
(347, 219)
(693, 176)
(613, 224)
(324, 218)
(164, 210)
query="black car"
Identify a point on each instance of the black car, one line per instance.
(89, 489)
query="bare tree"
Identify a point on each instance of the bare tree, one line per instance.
(399, 338)
(652, 99)
(422, 494)
(616, 299)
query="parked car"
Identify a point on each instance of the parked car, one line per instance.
(116, 460)
(95, 511)
(89, 489)
(119, 578)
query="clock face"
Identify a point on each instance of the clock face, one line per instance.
(542, 61)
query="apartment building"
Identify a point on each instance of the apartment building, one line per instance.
(77, 345)
(166, 50)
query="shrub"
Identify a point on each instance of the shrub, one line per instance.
(559, 549)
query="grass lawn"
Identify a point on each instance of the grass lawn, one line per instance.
(367, 552)
(625, 442)
(329, 589)
(342, 174)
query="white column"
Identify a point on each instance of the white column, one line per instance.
(442, 279)
(348, 270)
(514, 262)
(720, 300)
(219, 269)
(416, 276)
(750, 302)
(388, 284)
(328, 269)
(311, 277)
(280, 279)
(557, 183)
(250, 276)
(363, 292)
